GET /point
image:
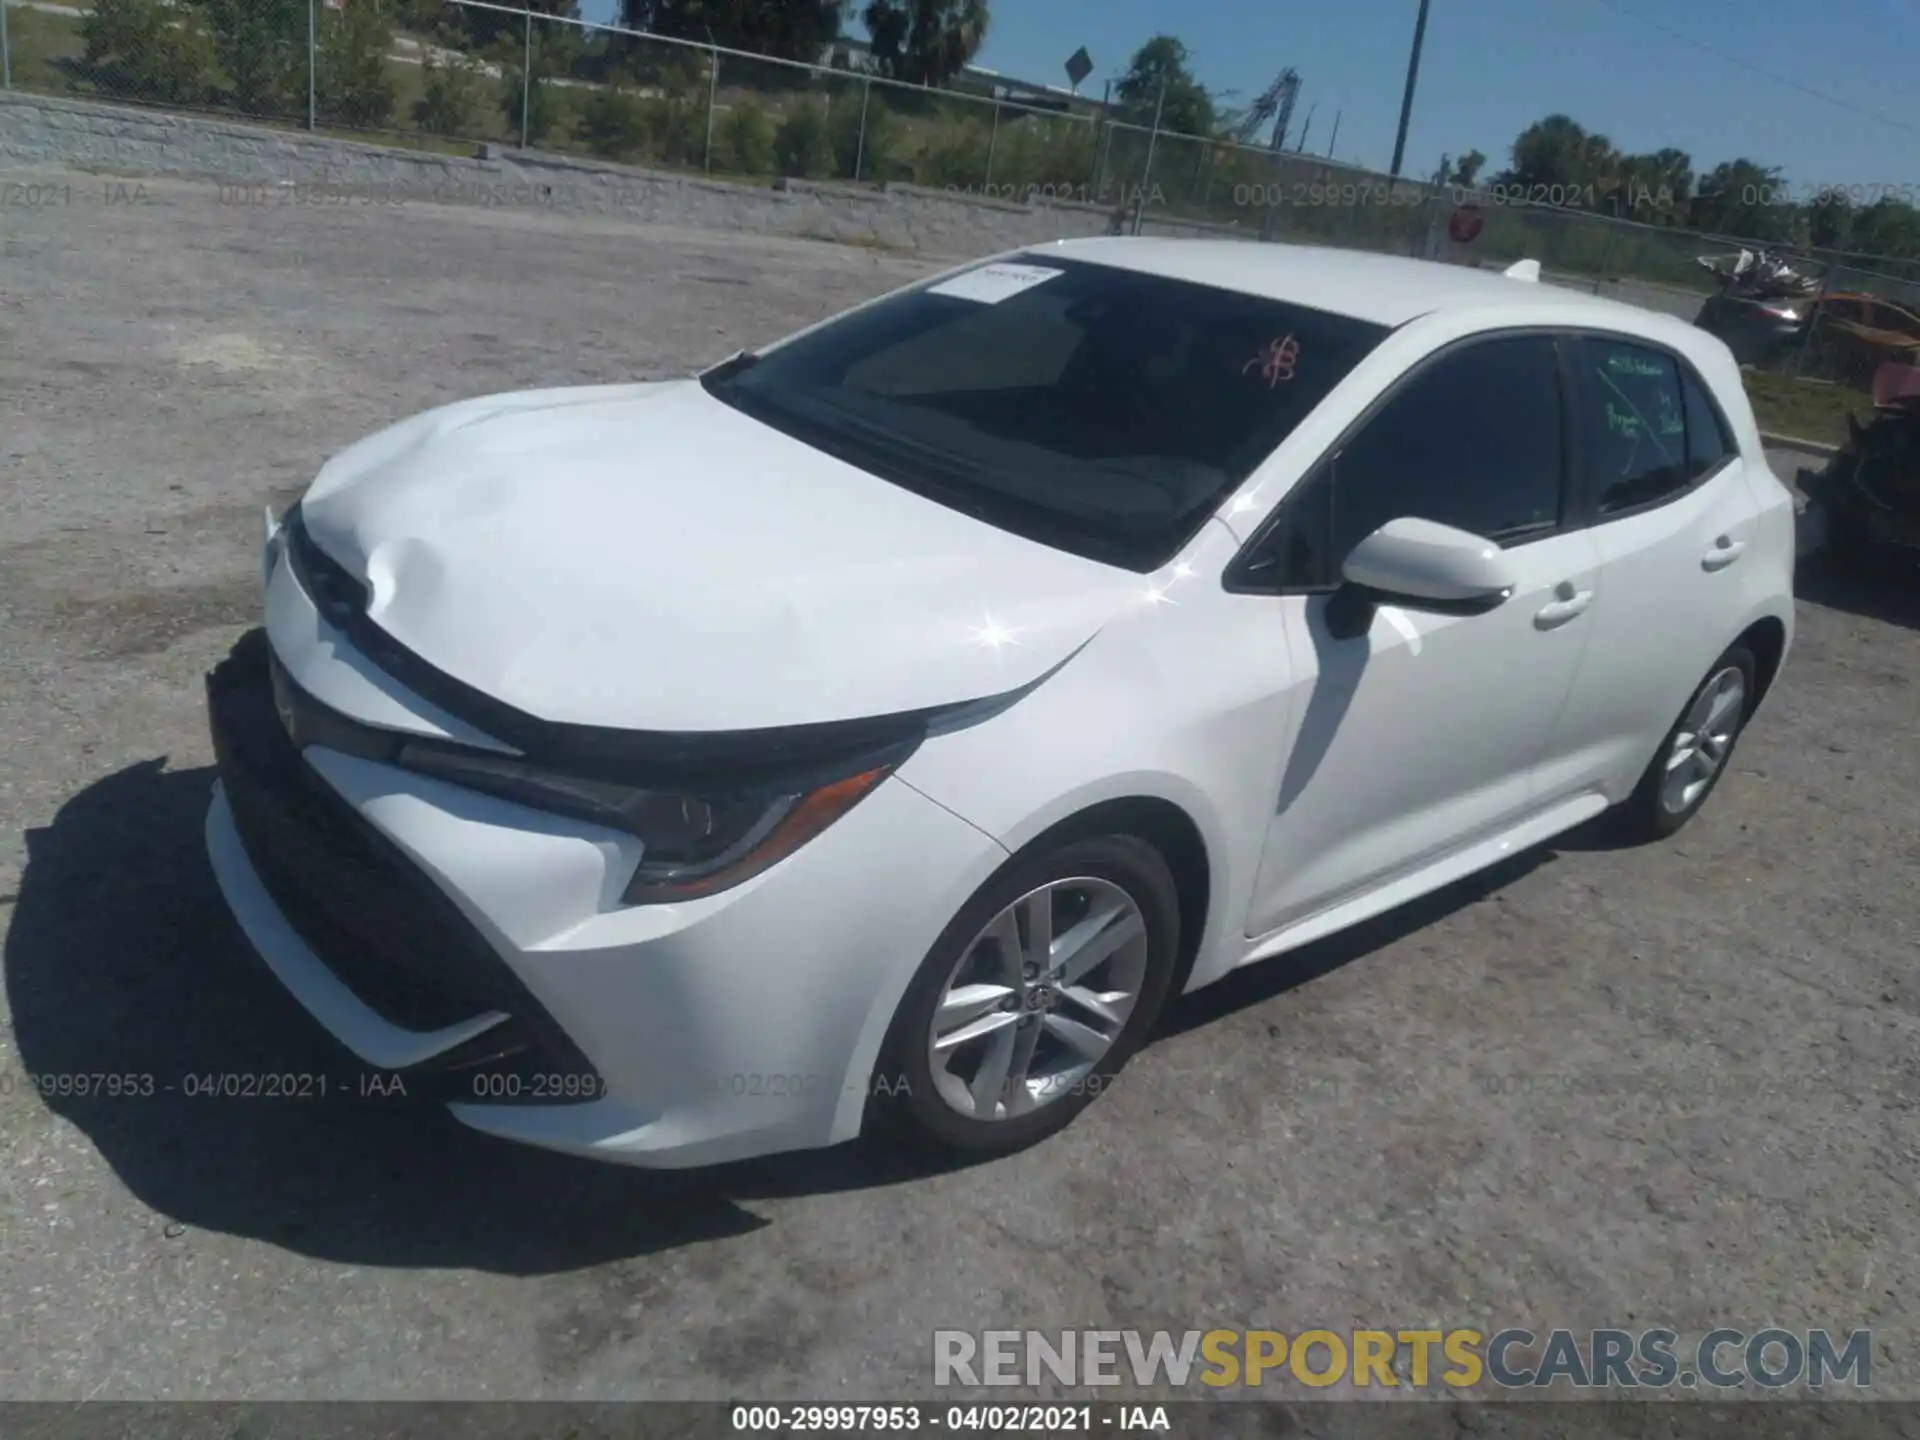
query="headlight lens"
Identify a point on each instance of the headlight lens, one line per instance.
(692, 845)
(276, 540)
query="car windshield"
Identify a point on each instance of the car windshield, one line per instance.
(1100, 410)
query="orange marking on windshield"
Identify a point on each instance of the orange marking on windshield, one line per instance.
(1276, 362)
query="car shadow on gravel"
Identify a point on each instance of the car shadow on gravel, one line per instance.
(1885, 588)
(122, 961)
(1263, 981)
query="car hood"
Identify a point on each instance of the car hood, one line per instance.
(645, 557)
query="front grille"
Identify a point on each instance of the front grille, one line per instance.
(384, 928)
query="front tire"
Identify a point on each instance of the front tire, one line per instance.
(1032, 999)
(1696, 751)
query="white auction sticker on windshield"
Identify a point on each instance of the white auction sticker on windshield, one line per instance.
(991, 284)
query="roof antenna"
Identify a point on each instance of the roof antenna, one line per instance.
(1523, 270)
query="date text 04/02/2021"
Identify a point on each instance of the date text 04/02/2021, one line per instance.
(204, 1085)
(1032, 1419)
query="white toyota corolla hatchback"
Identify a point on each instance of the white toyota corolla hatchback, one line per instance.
(882, 726)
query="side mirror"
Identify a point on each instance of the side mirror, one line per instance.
(1425, 566)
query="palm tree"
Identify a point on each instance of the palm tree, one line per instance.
(925, 41)
(1557, 158)
(787, 29)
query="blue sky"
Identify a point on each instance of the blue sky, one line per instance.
(1492, 66)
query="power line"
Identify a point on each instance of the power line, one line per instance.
(1760, 70)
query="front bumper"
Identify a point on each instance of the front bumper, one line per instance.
(479, 948)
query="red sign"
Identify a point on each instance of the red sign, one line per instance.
(1466, 224)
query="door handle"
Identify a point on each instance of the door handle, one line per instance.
(1568, 603)
(1725, 551)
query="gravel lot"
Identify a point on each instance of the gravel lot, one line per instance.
(1600, 1088)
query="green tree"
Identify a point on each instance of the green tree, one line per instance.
(873, 153)
(262, 48)
(536, 99)
(1830, 221)
(555, 50)
(1746, 200)
(745, 140)
(1888, 226)
(419, 16)
(1054, 157)
(1464, 172)
(351, 84)
(1163, 62)
(450, 98)
(926, 42)
(138, 49)
(677, 128)
(479, 29)
(1557, 157)
(801, 146)
(1655, 189)
(957, 155)
(788, 29)
(613, 123)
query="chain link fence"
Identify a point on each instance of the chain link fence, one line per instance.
(449, 73)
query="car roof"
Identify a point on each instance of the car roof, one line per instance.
(1383, 289)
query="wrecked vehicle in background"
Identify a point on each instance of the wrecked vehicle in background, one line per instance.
(1866, 503)
(1763, 305)
(1758, 273)
(1855, 334)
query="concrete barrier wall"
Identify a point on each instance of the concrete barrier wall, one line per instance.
(38, 129)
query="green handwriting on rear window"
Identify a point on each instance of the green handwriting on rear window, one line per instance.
(1633, 365)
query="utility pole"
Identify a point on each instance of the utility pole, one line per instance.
(526, 82)
(1406, 101)
(313, 62)
(1336, 132)
(860, 146)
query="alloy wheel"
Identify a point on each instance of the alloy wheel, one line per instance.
(1705, 737)
(1038, 998)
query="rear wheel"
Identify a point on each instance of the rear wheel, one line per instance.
(1033, 999)
(1694, 755)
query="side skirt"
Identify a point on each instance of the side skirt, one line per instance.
(1455, 865)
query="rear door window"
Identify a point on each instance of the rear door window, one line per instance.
(1632, 424)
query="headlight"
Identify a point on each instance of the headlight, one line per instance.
(275, 542)
(691, 845)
